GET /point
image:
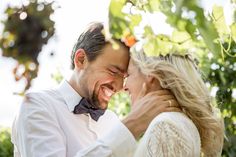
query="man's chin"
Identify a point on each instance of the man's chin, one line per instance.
(103, 102)
(103, 106)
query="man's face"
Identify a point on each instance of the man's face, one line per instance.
(104, 76)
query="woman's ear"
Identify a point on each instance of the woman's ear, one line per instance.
(80, 59)
(152, 83)
(150, 79)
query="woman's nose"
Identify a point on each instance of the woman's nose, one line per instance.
(124, 82)
(125, 88)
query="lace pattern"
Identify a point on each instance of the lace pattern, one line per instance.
(170, 135)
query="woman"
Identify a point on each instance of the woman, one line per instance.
(194, 132)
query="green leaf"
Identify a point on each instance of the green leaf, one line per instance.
(222, 77)
(148, 31)
(116, 7)
(134, 21)
(219, 20)
(117, 22)
(164, 46)
(154, 5)
(150, 47)
(180, 37)
(165, 6)
(158, 45)
(233, 31)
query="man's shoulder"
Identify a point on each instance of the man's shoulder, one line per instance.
(110, 116)
(34, 98)
(41, 94)
(110, 113)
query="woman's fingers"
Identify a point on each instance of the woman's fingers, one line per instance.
(157, 102)
(173, 103)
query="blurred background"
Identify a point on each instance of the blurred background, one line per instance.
(37, 37)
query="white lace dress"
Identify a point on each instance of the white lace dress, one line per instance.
(170, 134)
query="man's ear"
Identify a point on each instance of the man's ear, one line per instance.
(80, 59)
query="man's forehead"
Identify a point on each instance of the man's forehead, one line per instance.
(116, 58)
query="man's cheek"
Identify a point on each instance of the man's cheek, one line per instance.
(108, 79)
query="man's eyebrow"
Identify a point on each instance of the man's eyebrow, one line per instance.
(118, 68)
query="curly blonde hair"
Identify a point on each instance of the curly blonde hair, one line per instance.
(182, 77)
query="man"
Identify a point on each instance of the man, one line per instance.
(72, 120)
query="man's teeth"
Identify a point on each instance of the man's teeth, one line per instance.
(108, 92)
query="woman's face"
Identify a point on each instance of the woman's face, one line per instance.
(134, 81)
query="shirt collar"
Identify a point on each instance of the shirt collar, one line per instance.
(71, 97)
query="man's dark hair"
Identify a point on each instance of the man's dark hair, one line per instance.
(92, 40)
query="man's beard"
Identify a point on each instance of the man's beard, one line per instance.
(92, 97)
(94, 100)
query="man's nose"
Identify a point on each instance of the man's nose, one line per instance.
(119, 83)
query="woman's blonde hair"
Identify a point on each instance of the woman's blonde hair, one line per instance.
(181, 76)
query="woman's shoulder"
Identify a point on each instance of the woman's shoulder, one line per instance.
(177, 119)
(169, 116)
(172, 131)
(170, 119)
(176, 124)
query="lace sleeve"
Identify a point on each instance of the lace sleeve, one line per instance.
(166, 140)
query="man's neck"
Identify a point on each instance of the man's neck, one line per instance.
(74, 83)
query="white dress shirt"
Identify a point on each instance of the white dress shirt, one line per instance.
(47, 127)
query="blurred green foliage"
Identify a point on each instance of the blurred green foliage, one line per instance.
(6, 147)
(120, 104)
(26, 30)
(222, 75)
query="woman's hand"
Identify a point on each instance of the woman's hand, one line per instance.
(147, 107)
